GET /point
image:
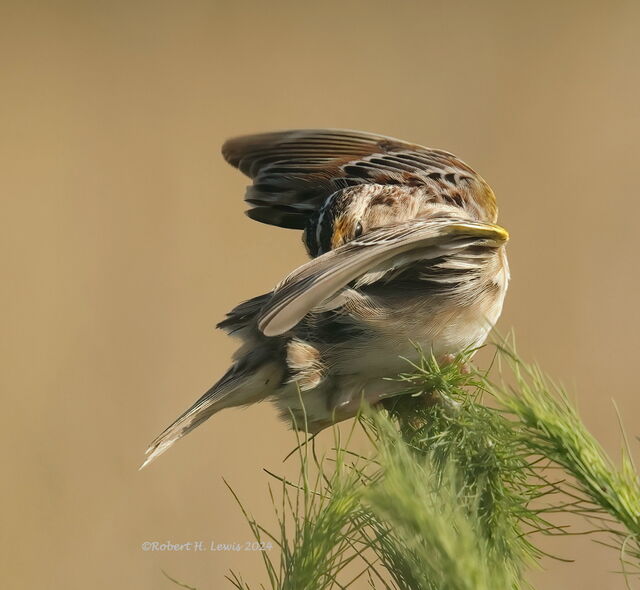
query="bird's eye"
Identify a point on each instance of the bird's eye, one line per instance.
(358, 231)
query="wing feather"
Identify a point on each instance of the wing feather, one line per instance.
(294, 172)
(382, 250)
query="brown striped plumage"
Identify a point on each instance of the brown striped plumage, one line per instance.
(295, 172)
(405, 250)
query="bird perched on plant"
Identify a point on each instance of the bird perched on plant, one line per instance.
(405, 251)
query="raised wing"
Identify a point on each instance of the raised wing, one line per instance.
(294, 172)
(366, 260)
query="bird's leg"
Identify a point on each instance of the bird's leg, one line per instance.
(448, 359)
(436, 396)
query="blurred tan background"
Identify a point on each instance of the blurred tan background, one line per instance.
(124, 241)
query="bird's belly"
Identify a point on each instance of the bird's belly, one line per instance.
(422, 329)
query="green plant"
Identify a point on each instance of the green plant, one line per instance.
(454, 490)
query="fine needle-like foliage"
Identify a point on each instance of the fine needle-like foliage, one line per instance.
(431, 524)
(603, 493)
(454, 491)
(317, 518)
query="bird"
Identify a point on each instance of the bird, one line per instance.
(405, 254)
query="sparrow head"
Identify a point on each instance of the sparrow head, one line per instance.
(354, 211)
(342, 218)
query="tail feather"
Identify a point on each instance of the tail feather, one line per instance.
(210, 403)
